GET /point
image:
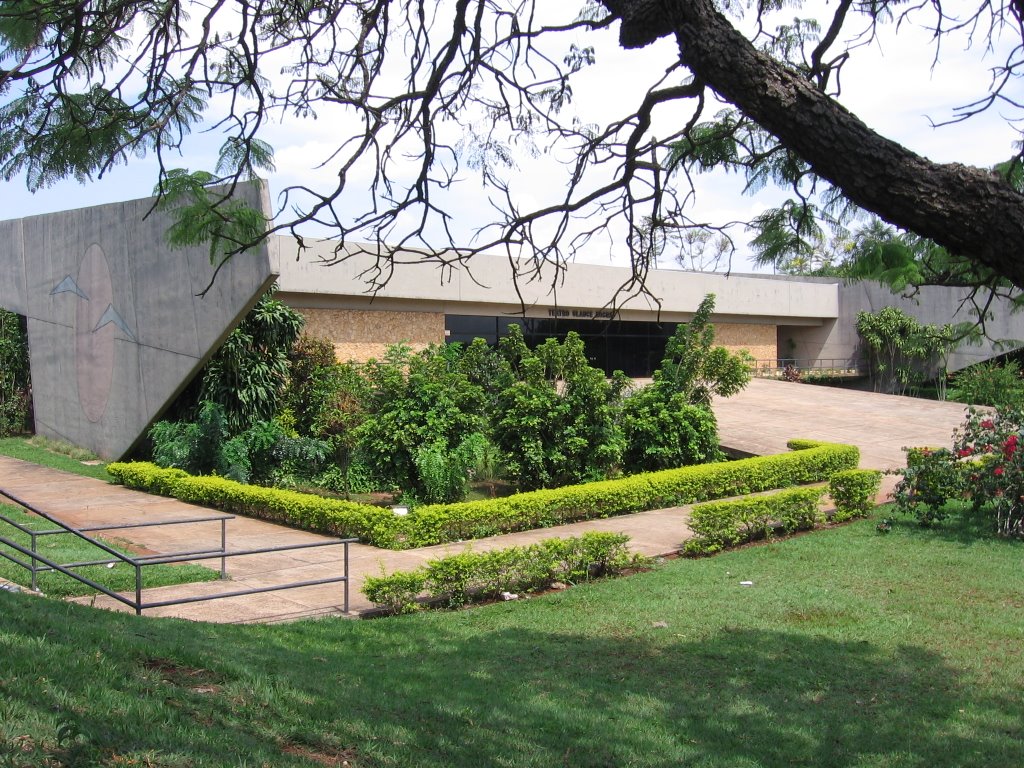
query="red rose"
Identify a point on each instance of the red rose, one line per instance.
(987, 424)
(998, 471)
(964, 452)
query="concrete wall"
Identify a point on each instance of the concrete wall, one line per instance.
(115, 326)
(933, 304)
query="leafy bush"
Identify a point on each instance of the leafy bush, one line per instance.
(336, 517)
(472, 576)
(15, 385)
(723, 524)
(247, 375)
(989, 449)
(555, 419)
(695, 368)
(437, 524)
(986, 465)
(195, 447)
(260, 454)
(423, 415)
(311, 384)
(661, 432)
(989, 384)
(397, 592)
(933, 477)
(854, 492)
(669, 423)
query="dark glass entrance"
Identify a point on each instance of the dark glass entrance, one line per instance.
(635, 348)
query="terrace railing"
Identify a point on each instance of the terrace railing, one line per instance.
(831, 367)
(28, 557)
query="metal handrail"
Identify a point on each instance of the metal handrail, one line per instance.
(63, 569)
(155, 559)
(777, 365)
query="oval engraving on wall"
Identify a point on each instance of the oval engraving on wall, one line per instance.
(94, 343)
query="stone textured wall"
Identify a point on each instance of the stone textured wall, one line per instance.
(759, 340)
(116, 325)
(359, 335)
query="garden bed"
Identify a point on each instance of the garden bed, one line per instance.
(809, 462)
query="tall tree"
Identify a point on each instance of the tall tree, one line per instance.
(421, 91)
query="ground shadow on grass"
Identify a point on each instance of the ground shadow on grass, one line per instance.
(430, 693)
(962, 524)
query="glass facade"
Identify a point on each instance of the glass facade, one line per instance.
(635, 348)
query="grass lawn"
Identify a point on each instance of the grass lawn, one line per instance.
(850, 649)
(65, 548)
(42, 451)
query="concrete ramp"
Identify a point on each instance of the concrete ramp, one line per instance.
(761, 418)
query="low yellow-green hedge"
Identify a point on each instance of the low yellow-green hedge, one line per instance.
(439, 523)
(722, 524)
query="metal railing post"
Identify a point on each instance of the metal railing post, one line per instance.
(138, 589)
(346, 578)
(34, 571)
(223, 548)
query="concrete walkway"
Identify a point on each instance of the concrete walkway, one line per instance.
(759, 420)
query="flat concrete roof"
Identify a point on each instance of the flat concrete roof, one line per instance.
(491, 284)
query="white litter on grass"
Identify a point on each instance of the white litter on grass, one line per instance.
(746, 583)
(509, 596)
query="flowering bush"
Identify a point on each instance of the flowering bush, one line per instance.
(995, 479)
(986, 465)
(932, 478)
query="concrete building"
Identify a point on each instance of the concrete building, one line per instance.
(812, 320)
(117, 328)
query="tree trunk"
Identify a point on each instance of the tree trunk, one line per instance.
(969, 211)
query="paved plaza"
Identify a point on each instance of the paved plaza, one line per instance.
(758, 421)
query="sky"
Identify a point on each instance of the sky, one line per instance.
(894, 85)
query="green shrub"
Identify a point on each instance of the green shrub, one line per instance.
(440, 523)
(854, 492)
(375, 525)
(421, 410)
(248, 374)
(472, 576)
(663, 431)
(723, 524)
(396, 593)
(15, 384)
(555, 418)
(933, 476)
(146, 476)
(989, 384)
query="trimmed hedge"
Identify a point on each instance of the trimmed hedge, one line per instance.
(337, 517)
(854, 492)
(441, 523)
(474, 576)
(723, 524)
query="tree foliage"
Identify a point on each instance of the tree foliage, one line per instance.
(422, 94)
(555, 420)
(670, 423)
(905, 352)
(247, 375)
(15, 379)
(424, 422)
